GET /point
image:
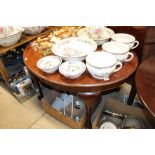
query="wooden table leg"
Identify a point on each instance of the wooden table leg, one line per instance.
(40, 96)
(132, 95)
(133, 91)
(37, 84)
(90, 100)
(3, 71)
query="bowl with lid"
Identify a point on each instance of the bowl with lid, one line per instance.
(74, 48)
(120, 50)
(49, 64)
(102, 64)
(72, 69)
(127, 39)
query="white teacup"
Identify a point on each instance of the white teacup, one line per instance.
(119, 50)
(126, 39)
(102, 64)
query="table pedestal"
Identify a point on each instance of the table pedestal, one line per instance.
(90, 99)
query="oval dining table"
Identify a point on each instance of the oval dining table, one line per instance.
(87, 88)
(145, 83)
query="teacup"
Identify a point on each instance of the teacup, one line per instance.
(102, 64)
(119, 50)
(126, 39)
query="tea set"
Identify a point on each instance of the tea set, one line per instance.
(79, 53)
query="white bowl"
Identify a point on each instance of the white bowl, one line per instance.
(126, 39)
(34, 30)
(102, 64)
(6, 31)
(49, 64)
(11, 37)
(10, 40)
(120, 50)
(89, 32)
(72, 69)
(74, 48)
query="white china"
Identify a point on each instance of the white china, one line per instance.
(34, 30)
(6, 31)
(72, 69)
(102, 64)
(120, 50)
(74, 48)
(49, 64)
(126, 39)
(103, 36)
(10, 35)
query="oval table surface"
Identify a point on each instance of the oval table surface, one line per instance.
(145, 83)
(87, 87)
(85, 83)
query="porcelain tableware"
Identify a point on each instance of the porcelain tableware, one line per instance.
(49, 64)
(99, 36)
(102, 64)
(126, 39)
(72, 69)
(10, 35)
(120, 50)
(32, 30)
(74, 48)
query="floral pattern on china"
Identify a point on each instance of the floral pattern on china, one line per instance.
(49, 64)
(99, 34)
(6, 31)
(70, 52)
(74, 48)
(72, 69)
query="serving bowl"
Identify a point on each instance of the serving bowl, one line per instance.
(49, 64)
(120, 50)
(6, 31)
(72, 69)
(102, 64)
(74, 48)
(99, 34)
(10, 35)
(34, 30)
(127, 39)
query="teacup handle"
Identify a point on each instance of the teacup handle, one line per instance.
(118, 68)
(130, 58)
(136, 43)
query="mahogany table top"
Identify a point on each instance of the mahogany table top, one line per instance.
(145, 83)
(85, 83)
